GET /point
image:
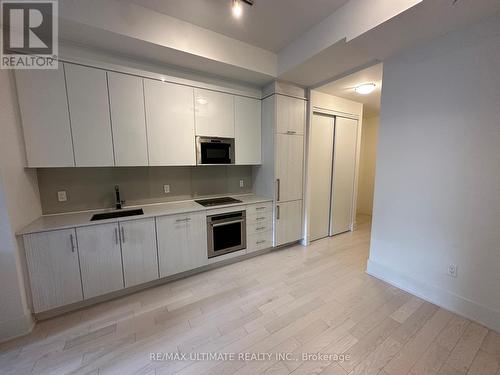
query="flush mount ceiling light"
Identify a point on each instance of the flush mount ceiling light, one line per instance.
(365, 88)
(237, 7)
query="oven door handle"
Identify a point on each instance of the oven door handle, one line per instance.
(227, 223)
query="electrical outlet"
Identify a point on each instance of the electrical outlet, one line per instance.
(166, 189)
(242, 183)
(453, 270)
(62, 196)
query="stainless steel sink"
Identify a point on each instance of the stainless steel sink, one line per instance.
(116, 214)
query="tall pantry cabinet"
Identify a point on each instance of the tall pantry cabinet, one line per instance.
(281, 174)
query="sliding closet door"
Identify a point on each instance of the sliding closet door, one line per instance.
(344, 166)
(321, 175)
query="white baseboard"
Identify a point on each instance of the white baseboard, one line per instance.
(440, 297)
(11, 329)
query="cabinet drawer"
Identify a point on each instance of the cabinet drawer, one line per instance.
(259, 217)
(259, 227)
(259, 208)
(259, 241)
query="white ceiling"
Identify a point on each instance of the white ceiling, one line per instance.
(344, 87)
(202, 36)
(268, 24)
(423, 22)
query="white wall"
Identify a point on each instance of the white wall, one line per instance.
(19, 205)
(437, 191)
(367, 161)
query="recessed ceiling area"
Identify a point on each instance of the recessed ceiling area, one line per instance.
(344, 88)
(308, 42)
(268, 24)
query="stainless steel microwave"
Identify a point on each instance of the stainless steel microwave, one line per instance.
(213, 151)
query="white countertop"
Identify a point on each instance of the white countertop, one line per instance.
(47, 223)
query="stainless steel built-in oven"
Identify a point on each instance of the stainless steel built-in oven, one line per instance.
(210, 150)
(226, 233)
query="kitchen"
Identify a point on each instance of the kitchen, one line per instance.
(199, 178)
(101, 127)
(150, 122)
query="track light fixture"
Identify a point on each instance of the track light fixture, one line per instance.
(237, 7)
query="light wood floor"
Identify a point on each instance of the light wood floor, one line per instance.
(314, 299)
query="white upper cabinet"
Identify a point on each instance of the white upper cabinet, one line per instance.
(290, 115)
(126, 99)
(214, 113)
(90, 117)
(247, 130)
(170, 123)
(44, 111)
(89, 112)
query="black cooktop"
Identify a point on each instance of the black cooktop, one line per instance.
(217, 201)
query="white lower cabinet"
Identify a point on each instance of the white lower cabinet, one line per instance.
(54, 271)
(259, 241)
(182, 242)
(100, 259)
(259, 226)
(139, 252)
(72, 265)
(288, 222)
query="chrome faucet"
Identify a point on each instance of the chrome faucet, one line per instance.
(118, 202)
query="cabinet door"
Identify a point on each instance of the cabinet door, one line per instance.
(89, 112)
(170, 123)
(139, 252)
(54, 271)
(214, 113)
(288, 227)
(290, 115)
(100, 259)
(289, 167)
(46, 126)
(126, 99)
(182, 242)
(247, 130)
(320, 170)
(344, 170)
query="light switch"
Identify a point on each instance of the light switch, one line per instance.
(62, 196)
(242, 183)
(166, 189)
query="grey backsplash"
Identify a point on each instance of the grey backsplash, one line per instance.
(93, 188)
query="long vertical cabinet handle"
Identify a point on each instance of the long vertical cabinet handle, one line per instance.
(72, 239)
(277, 212)
(117, 240)
(278, 188)
(123, 234)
